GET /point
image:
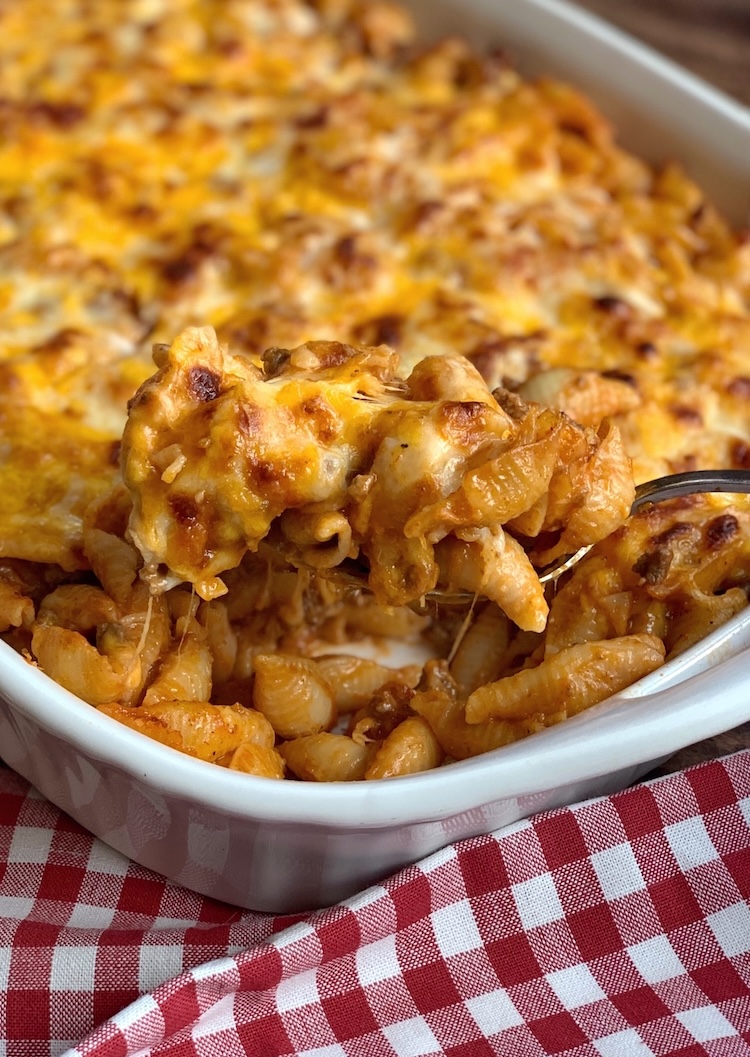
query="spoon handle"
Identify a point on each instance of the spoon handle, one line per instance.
(680, 484)
(669, 487)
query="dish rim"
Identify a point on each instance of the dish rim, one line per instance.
(615, 742)
(692, 121)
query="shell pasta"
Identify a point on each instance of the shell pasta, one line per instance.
(329, 452)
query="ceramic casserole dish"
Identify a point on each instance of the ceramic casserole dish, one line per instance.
(290, 846)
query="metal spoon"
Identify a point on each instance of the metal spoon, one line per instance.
(670, 487)
(354, 576)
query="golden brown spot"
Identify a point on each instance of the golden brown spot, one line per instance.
(317, 118)
(490, 354)
(204, 384)
(60, 341)
(424, 213)
(331, 353)
(229, 47)
(207, 238)
(462, 419)
(249, 420)
(181, 269)
(184, 508)
(61, 115)
(741, 455)
(675, 532)
(265, 472)
(473, 71)
(321, 418)
(143, 211)
(740, 387)
(206, 241)
(576, 128)
(698, 213)
(621, 376)
(346, 250)
(721, 530)
(688, 416)
(381, 330)
(351, 258)
(614, 306)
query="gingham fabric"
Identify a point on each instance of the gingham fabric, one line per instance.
(619, 927)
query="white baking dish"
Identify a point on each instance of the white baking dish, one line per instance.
(659, 109)
(283, 846)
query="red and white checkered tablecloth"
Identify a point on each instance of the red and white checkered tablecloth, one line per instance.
(618, 927)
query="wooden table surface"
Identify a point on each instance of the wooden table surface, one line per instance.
(712, 39)
(709, 37)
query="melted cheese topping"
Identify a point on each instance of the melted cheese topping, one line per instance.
(285, 172)
(330, 452)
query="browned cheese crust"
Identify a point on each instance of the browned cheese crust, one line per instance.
(328, 455)
(287, 173)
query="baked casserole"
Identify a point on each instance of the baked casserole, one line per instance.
(246, 188)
